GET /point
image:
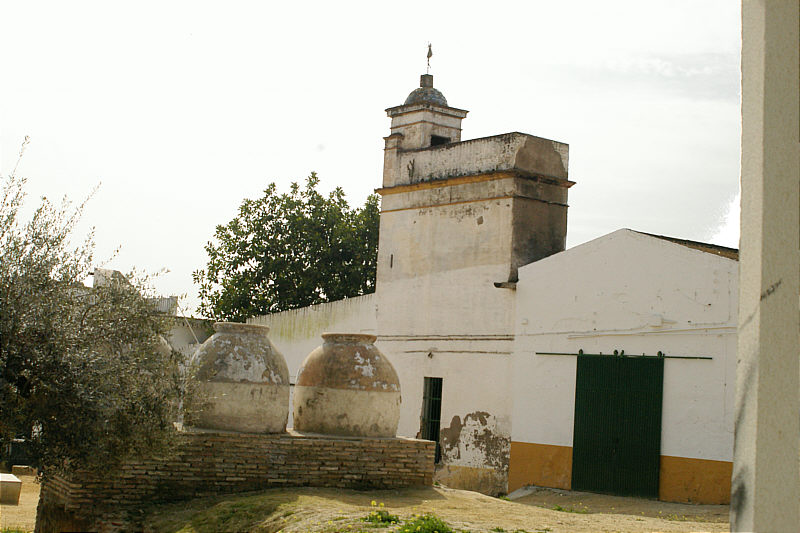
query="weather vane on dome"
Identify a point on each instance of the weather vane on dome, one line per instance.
(430, 53)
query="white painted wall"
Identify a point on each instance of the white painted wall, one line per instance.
(475, 376)
(623, 291)
(295, 333)
(638, 293)
(765, 483)
(437, 265)
(456, 358)
(187, 334)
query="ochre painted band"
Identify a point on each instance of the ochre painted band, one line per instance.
(681, 479)
(448, 182)
(543, 465)
(428, 206)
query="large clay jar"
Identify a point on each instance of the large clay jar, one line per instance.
(243, 380)
(347, 387)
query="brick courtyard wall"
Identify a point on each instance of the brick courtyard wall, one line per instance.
(208, 463)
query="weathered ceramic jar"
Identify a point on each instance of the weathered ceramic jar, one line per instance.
(347, 387)
(243, 380)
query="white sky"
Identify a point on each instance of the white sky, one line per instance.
(183, 109)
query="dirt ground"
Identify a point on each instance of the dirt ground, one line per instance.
(543, 510)
(475, 512)
(538, 510)
(22, 516)
(669, 516)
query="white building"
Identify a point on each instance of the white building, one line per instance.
(657, 426)
(475, 293)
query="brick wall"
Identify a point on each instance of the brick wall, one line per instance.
(206, 463)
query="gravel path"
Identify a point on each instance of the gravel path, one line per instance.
(22, 516)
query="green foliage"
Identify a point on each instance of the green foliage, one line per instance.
(291, 250)
(427, 523)
(84, 377)
(570, 509)
(381, 516)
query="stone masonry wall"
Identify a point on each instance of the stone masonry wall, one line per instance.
(207, 463)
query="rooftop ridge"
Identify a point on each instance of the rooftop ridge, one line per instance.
(479, 139)
(716, 249)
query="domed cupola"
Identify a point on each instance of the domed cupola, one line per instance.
(426, 94)
(425, 120)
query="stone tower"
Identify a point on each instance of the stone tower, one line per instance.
(424, 120)
(457, 220)
(468, 213)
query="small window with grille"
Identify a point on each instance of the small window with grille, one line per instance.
(432, 412)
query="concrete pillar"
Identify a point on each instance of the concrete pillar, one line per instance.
(765, 492)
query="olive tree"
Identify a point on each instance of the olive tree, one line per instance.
(85, 377)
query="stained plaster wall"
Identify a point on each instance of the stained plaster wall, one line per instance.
(456, 220)
(440, 315)
(518, 151)
(455, 325)
(640, 294)
(475, 415)
(418, 122)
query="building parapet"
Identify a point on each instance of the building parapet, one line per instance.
(514, 152)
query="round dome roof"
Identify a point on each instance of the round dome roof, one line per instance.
(426, 94)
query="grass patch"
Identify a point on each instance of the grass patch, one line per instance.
(249, 513)
(427, 523)
(569, 509)
(381, 517)
(677, 518)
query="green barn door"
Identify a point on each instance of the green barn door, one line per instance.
(617, 433)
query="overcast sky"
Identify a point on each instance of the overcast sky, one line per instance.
(182, 109)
